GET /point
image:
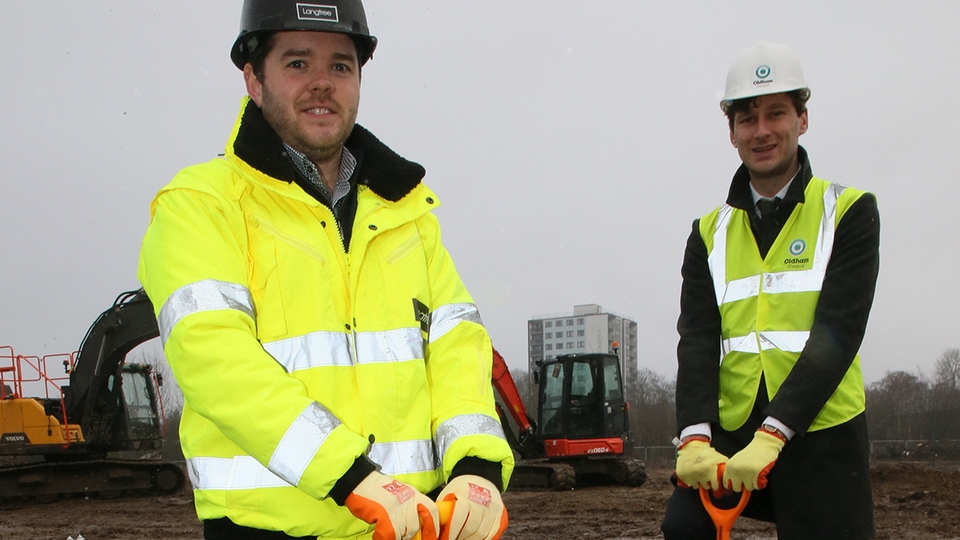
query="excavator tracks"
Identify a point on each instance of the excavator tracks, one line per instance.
(544, 475)
(47, 481)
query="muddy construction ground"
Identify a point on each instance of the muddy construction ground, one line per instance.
(913, 501)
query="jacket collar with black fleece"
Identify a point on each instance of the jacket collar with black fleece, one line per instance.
(386, 173)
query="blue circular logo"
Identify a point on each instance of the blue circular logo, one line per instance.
(797, 247)
(763, 71)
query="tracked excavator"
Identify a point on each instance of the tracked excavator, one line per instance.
(97, 427)
(582, 434)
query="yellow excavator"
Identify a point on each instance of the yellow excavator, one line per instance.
(97, 426)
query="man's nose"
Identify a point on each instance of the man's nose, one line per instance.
(763, 128)
(322, 82)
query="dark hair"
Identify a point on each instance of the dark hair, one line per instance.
(260, 51)
(799, 98)
(267, 41)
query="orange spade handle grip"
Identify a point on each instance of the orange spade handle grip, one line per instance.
(446, 510)
(723, 518)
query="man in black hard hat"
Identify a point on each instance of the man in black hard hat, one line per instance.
(335, 370)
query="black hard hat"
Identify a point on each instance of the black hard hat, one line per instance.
(263, 17)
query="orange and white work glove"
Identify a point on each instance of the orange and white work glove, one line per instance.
(479, 513)
(699, 464)
(396, 510)
(748, 468)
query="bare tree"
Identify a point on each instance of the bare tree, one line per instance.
(945, 399)
(897, 406)
(652, 408)
(947, 369)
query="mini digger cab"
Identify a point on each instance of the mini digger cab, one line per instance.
(582, 435)
(97, 428)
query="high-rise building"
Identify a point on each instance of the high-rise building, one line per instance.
(587, 330)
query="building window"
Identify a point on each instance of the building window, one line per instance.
(549, 335)
(569, 333)
(581, 333)
(569, 322)
(580, 320)
(569, 344)
(559, 323)
(549, 347)
(580, 344)
(559, 346)
(548, 324)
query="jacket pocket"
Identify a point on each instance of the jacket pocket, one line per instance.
(264, 279)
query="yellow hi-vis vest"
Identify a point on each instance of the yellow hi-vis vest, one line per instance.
(294, 355)
(767, 305)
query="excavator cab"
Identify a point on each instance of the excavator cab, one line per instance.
(141, 408)
(581, 397)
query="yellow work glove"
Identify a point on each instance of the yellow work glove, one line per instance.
(396, 510)
(698, 465)
(748, 468)
(478, 514)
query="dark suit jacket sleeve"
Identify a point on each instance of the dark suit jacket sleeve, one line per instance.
(698, 352)
(840, 320)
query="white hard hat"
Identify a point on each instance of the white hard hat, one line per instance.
(765, 68)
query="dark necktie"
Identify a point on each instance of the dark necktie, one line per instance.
(768, 224)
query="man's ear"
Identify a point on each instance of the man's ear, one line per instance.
(804, 122)
(254, 86)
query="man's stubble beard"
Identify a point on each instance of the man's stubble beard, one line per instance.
(290, 133)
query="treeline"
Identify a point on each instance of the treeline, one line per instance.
(908, 406)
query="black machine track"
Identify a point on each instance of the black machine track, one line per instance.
(104, 478)
(545, 475)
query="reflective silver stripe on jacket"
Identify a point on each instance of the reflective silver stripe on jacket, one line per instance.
(301, 442)
(463, 425)
(398, 345)
(240, 472)
(404, 457)
(753, 343)
(775, 282)
(206, 295)
(244, 472)
(312, 350)
(445, 318)
(323, 349)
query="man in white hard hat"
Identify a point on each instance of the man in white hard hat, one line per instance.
(336, 373)
(777, 288)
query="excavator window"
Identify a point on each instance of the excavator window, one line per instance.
(611, 380)
(142, 418)
(551, 407)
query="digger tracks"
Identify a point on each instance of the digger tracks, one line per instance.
(630, 472)
(47, 481)
(543, 476)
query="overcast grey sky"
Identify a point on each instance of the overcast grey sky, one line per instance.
(571, 144)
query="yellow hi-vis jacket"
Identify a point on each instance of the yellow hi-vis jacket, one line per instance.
(294, 355)
(767, 305)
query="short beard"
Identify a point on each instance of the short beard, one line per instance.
(288, 132)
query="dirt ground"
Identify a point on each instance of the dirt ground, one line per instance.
(913, 500)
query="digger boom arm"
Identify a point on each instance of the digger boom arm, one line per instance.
(507, 388)
(127, 324)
